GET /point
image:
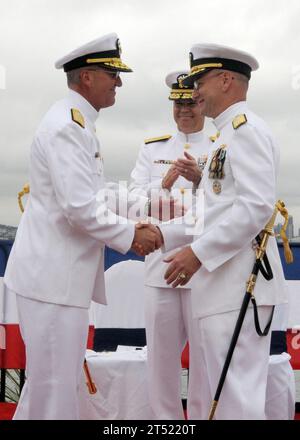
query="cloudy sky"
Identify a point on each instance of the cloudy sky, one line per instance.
(156, 37)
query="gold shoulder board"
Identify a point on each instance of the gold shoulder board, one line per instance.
(77, 117)
(238, 121)
(158, 139)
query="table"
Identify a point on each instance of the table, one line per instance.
(121, 381)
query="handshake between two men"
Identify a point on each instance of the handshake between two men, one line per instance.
(148, 238)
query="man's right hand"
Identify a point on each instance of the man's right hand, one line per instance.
(147, 239)
(189, 168)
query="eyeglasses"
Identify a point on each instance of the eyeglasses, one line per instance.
(198, 83)
(113, 75)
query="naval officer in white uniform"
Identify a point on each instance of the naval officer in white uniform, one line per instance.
(169, 322)
(239, 184)
(56, 264)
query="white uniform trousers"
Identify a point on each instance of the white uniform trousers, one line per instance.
(244, 392)
(169, 325)
(55, 337)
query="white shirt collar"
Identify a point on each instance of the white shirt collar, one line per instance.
(229, 114)
(191, 137)
(84, 106)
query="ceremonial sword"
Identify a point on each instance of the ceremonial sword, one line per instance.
(266, 271)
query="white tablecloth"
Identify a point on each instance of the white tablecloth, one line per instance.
(280, 395)
(294, 303)
(8, 305)
(121, 382)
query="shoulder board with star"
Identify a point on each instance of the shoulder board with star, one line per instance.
(77, 117)
(238, 121)
(158, 139)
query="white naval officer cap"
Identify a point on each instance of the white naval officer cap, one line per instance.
(178, 90)
(205, 57)
(104, 52)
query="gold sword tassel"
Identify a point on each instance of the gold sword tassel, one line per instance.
(260, 252)
(22, 193)
(288, 255)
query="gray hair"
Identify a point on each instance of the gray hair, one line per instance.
(73, 76)
(242, 78)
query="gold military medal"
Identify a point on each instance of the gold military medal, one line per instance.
(216, 168)
(217, 187)
(213, 165)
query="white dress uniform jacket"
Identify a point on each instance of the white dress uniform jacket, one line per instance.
(233, 218)
(58, 253)
(147, 176)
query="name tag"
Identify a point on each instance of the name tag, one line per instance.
(164, 161)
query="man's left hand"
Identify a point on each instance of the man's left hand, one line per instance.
(183, 266)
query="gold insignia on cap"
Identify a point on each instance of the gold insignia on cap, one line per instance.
(77, 117)
(117, 63)
(158, 139)
(238, 121)
(118, 44)
(187, 146)
(201, 67)
(181, 94)
(180, 78)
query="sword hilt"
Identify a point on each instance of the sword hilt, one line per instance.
(268, 231)
(260, 252)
